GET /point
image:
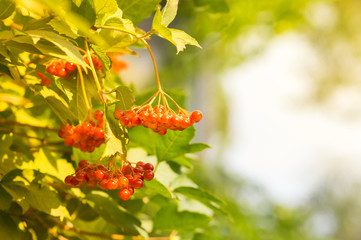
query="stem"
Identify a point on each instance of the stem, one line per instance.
(154, 64)
(94, 72)
(115, 29)
(173, 101)
(70, 227)
(83, 87)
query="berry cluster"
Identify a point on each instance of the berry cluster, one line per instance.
(126, 179)
(96, 62)
(118, 65)
(44, 80)
(159, 119)
(86, 136)
(60, 68)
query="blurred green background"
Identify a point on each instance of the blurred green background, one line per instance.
(278, 83)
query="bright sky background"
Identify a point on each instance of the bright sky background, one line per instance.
(280, 141)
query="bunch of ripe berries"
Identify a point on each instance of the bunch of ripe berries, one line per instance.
(125, 179)
(159, 119)
(86, 136)
(60, 68)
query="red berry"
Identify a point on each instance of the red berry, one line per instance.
(51, 69)
(74, 181)
(148, 175)
(163, 132)
(118, 114)
(61, 72)
(130, 179)
(80, 176)
(196, 116)
(98, 115)
(131, 190)
(124, 194)
(186, 122)
(99, 133)
(126, 169)
(45, 81)
(70, 66)
(112, 184)
(123, 182)
(138, 183)
(148, 166)
(140, 163)
(124, 121)
(99, 175)
(104, 184)
(138, 169)
(68, 180)
(83, 164)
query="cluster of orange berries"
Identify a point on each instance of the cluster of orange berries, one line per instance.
(60, 68)
(86, 136)
(159, 119)
(118, 65)
(125, 179)
(96, 62)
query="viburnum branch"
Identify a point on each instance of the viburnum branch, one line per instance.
(83, 88)
(154, 64)
(70, 227)
(115, 29)
(96, 80)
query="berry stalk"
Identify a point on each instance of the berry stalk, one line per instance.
(94, 72)
(154, 64)
(83, 88)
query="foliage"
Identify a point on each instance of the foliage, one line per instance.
(41, 38)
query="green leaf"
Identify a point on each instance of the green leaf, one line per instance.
(7, 7)
(5, 199)
(204, 197)
(5, 141)
(167, 147)
(105, 7)
(59, 106)
(78, 18)
(62, 43)
(116, 136)
(179, 38)
(37, 24)
(155, 186)
(8, 228)
(182, 160)
(63, 28)
(125, 98)
(169, 218)
(136, 10)
(33, 195)
(169, 12)
(117, 20)
(114, 214)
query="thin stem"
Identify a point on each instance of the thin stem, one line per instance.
(83, 87)
(94, 72)
(70, 227)
(173, 100)
(154, 64)
(115, 29)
